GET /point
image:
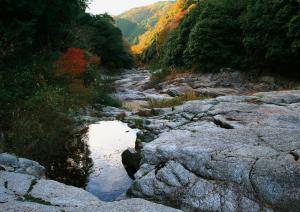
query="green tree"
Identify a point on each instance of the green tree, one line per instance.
(103, 38)
(28, 26)
(216, 39)
(271, 34)
(173, 49)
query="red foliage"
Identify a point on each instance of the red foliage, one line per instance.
(73, 61)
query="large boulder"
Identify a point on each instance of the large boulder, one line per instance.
(235, 153)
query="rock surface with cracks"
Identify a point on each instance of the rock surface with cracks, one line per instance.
(29, 191)
(230, 153)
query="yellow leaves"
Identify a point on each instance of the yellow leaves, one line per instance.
(166, 23)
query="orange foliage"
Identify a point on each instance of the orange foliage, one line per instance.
(173, 24)
(161, 30)
(72, 62)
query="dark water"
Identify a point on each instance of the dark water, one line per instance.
(107, 140)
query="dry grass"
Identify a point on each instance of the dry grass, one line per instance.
(132, 106)
(174, 101)
(174, 74)
(170, 74)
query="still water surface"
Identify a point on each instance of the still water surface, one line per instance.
(107, 140)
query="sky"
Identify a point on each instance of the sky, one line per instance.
(116, 7)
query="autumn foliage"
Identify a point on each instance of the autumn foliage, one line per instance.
(166, 23)
(75, 62)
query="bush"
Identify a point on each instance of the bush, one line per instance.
(100, 35)
(43, 131)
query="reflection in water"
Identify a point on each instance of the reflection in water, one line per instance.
(71, 163)
(107, 140)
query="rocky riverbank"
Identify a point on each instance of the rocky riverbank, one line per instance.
(237, 150)
(228, 153)
(23, 187)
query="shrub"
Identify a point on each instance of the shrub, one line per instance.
(44, 131)
(72, 62)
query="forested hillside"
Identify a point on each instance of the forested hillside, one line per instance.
(207, 35)
(137, 21)
(50, 54)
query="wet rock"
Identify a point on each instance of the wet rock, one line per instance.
(131, 160)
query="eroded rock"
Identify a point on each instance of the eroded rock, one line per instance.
(237, 151)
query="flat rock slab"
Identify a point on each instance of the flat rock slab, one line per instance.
(18, 183)
(21, 192)
(62, 195)
(233, 153)
(133, 205)
(16, 206)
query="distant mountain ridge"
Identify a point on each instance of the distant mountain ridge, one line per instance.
(137, 21)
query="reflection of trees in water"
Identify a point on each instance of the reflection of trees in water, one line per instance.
(73, 165)
(56, 145)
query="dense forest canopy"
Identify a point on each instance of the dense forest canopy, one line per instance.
(207, 35)
(137, 21)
